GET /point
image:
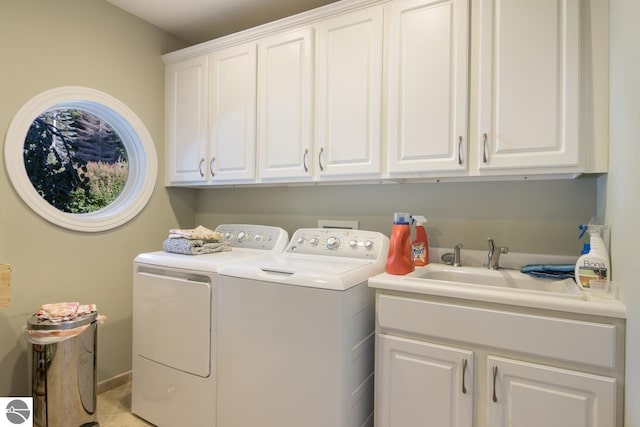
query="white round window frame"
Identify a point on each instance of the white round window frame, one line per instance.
(138, 143)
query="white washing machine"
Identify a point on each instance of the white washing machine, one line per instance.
(296, 333)
(175, 302)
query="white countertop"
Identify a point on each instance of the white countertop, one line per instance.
(590, 305)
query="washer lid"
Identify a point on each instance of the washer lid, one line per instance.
(313, 271)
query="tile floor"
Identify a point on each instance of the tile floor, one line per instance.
(114, 408)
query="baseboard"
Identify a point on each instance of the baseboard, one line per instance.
(114, 382)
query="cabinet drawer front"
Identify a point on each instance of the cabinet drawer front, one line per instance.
(558, 338)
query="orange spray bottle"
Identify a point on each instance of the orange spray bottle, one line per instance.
(399, 260)
(420, 245)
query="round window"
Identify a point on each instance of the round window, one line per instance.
(80, 159)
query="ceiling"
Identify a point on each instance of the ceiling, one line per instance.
(197, 21)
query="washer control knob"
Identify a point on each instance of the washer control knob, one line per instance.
(300, 240)
(314, 241)
(333, 243)
(241, 236)
(353, 243)
(228, 235)
(257, 237)
(368, 244)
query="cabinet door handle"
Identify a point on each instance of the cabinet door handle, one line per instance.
(213, 159)
(200, 167)
(304, 160)
(464, 370)
(320, 156)
(485, 158)
(495, 375)
(460, 150)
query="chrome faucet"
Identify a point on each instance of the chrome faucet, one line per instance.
(494, 254)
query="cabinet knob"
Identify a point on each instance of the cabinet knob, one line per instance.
(200, 167)
(460, 150)
(213, 159)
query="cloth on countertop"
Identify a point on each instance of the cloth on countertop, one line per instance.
(194, 247)
(550, 271)
(64, 311)
(198, 233)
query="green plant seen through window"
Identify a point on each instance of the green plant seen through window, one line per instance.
(75, 160)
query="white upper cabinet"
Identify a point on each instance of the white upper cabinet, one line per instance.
(395, 89)
(285, 105)
(427, 85)
(186, 115)
(529, 82)
(232, 144)
(349, 95)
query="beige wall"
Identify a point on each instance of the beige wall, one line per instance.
(46, 44)
(622, 195)
(526, 216)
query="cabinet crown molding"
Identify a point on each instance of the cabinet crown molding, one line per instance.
(253, 34)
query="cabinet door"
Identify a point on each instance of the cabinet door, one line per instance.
(349, 94)
(524, 394)
(428, 85)
(233, 114)
(186, 115)
(285, 96)
(422, 384)
(528, 86)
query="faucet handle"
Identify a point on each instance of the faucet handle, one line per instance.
(457, 260)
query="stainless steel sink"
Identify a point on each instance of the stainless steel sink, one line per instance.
(504, 279)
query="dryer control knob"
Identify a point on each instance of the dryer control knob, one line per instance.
(300, 240)
(353, 243)
(257, 237)
(228, 235)
(333, 243)
(368, 244)
(241, 236)
(314, 241)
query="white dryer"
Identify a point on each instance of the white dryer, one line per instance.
(296, 333)
(175, 304)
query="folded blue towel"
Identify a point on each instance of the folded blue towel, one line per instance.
(550, 271)
(193, 247)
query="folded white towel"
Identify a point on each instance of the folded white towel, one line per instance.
(198, 233)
